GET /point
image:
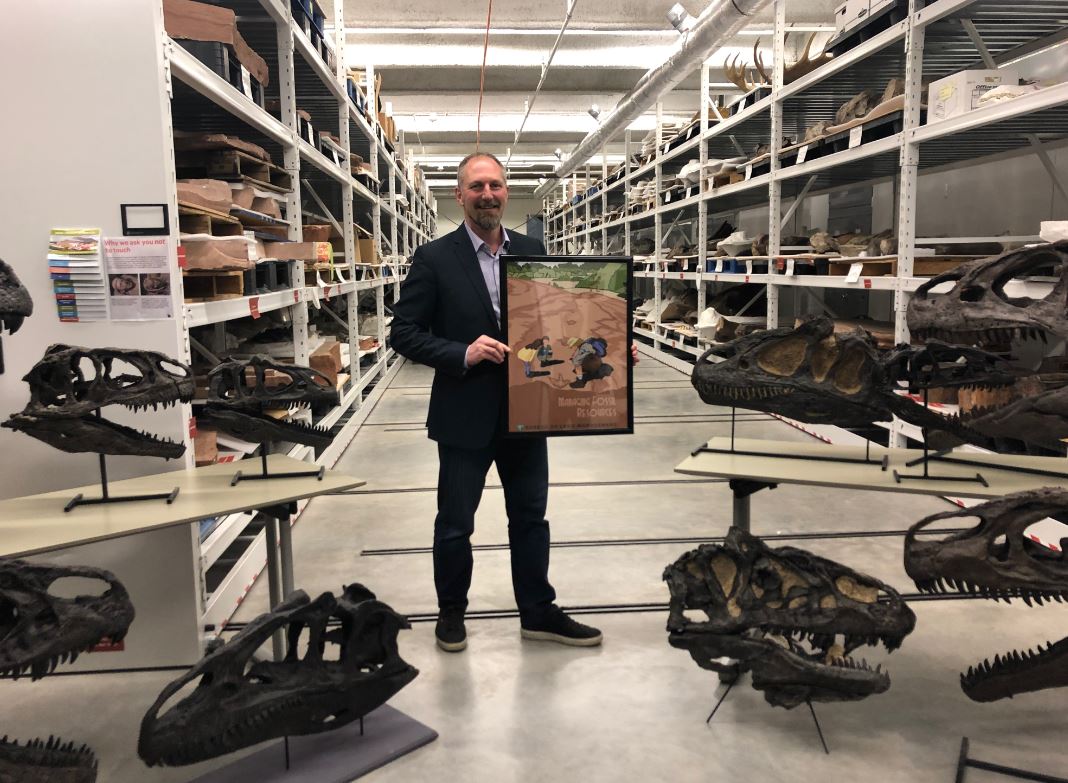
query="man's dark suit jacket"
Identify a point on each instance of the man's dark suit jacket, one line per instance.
(444, 307)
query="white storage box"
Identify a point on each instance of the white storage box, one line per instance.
(848, 14)
(960, 93)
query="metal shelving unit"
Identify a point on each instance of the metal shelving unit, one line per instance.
(931, 42)
(234, 552)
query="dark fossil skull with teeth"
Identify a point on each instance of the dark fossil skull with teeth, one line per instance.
(1041, 419)
(15, 302)
(978, 310)
(814, 375)
(39, 630)
(70, 386)
(239, 393)
(780, 613)
(46, 761)
(349, 667)
(997, 560)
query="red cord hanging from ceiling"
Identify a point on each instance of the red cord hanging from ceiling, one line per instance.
(482, 78)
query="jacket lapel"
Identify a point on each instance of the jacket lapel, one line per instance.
(465, 251)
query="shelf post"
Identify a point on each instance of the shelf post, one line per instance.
(775, 187)
(702, 205)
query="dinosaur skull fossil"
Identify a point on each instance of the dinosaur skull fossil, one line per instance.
(46, 761)
(1040, 420)
(789, 616)
(240, 392)
(996, 560)
(814, 375)
(39, 630)
(70, 385)
(978, 310)
(15, 302)
(239, 702)
(795, 372)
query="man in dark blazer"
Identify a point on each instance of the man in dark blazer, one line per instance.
(448, 317)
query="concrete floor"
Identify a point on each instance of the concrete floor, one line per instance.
(634, 709)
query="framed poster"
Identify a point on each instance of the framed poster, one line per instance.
(567, 320)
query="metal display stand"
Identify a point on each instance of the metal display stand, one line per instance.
(266, 474)
(105, 497)
(1021, 774)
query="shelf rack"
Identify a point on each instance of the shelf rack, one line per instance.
(930, 42)
(386, 202)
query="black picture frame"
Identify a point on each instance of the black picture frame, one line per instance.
(538, 404)
(162, 227)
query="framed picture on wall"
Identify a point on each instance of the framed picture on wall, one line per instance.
(567, 320)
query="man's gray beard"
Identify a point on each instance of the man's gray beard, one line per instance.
(488, 221)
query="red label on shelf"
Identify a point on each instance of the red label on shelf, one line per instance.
(182, 263)
(192, 426)
(296, 295)
(107, 645)
(867, 282)
(254, 306)
(747, 278)
(327, 289)
(682, 275)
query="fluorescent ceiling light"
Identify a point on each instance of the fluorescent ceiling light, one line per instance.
(668, 35)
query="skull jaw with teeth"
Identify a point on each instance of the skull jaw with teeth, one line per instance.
(239, 394)
(763, 604)
(38, 630)
(996, 560)
(238, 703)
(65, 402)
(51, 761)
(1041, 420)
(978, 310)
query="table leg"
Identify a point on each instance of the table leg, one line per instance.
(273, 586)
(742, 489)
(285, 539)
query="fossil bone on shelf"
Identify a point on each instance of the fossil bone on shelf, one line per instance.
(342, 662)
(46, 761)
(997, 560)
(39, 630)
(792, 618)
(70, 386)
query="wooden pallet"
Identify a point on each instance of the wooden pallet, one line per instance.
(922, 266)
(235, 166)
(213, 286)
(193, 219)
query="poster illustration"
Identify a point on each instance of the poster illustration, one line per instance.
(567, 321)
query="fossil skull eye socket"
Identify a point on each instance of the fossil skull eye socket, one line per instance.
(847, 375)
(171, 368)
(767, 578)
(784, 357)
(972, 293)
(999, 548)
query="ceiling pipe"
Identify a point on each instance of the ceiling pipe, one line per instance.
(541, 81)
(717, 25)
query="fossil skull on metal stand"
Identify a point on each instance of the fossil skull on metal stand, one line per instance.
(70, 386)
(342, 662)
(790, 617)
(15, 304)
(40, 630)
(241, 394)
(995, 559)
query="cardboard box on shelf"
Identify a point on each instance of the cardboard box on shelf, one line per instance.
(299, 251)
(327, 359)
(960, 93)
(367, 253)
(205, 448)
